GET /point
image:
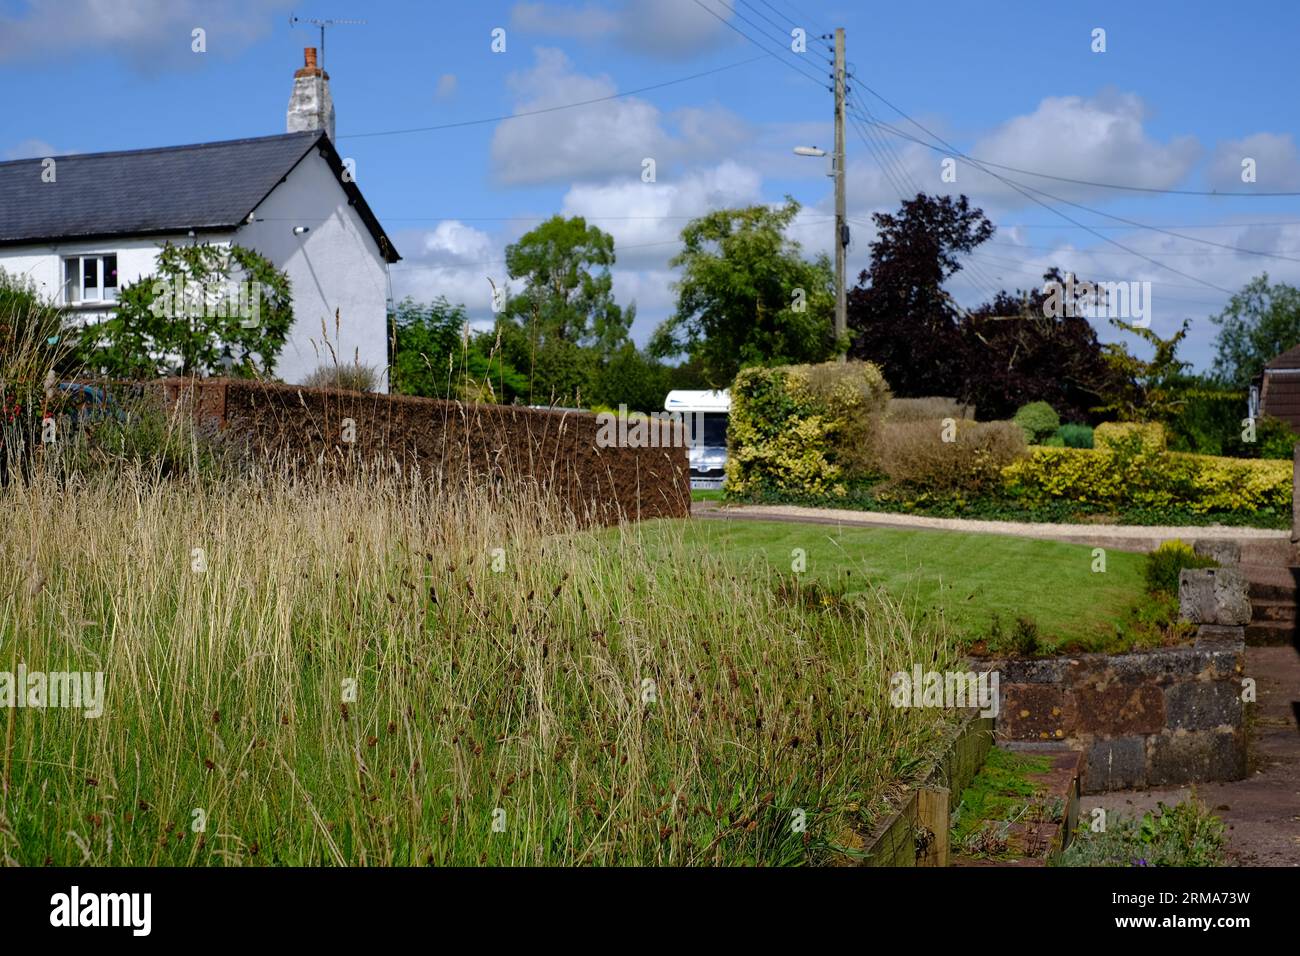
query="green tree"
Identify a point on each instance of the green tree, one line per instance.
(747, 296)
(436, 355)
(1141, 390)
(1260, 322)
(204, 307)
(568, 289)
(631, 377)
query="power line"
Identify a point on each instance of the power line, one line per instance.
(1160, 284)
(1025, 268)
(1017, 187)
(979, 276)
(1097, 212)
(757, 43)
(1107, 252)
(553, 109)
(1194, 225)
(759, 13)
(1138, 189)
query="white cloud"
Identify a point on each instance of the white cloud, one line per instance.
(1099, 139)
(1277, 164)
(447, 84)
(148, 33)
(453, 242)
(547, 19)
(673, 29)
(31, 149)
(665, 29)
(612, 137)
(646, 219)
(594, 140)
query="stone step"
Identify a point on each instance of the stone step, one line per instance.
(1272, 609)
(1270, 581)
(1270, 633)
(1278, 552)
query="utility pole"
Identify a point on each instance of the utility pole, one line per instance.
(841, 227)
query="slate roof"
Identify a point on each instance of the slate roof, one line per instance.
(1288, 359)
(206, 187)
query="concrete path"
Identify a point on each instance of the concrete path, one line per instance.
(1262, 812)
(1258, 544)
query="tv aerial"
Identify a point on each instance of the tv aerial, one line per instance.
(322, 24)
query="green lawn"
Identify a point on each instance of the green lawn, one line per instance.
(971, 577)
(706, 494)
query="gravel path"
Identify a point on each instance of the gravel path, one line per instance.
(1123, 537)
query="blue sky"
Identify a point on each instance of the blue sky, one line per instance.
(1183, 92)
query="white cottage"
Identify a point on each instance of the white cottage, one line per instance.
(83, 226)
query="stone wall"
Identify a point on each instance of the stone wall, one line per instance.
(1150, 718)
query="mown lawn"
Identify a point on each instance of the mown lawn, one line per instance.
(970, 578)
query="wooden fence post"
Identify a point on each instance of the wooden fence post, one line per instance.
(932, 814)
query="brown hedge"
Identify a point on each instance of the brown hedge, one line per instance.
(450, 442)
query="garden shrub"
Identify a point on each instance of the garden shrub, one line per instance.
(1164, 563)
(1038, 419)
(805, 429)
(926, 409)
(1075, 436)
(1134, 475)
(1151, 435)
(1274, 438)
(914, 454)
(349, 378)
(1209, 423)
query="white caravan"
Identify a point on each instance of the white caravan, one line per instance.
(706, 415)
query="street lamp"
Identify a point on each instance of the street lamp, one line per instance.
(841, 231)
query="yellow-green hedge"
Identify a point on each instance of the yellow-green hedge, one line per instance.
(1202, 484)
(1151, 435)
(803, 429)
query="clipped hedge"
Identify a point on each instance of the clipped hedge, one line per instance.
(803, 429)
(1149, 436)
(927, 409)
(1201, 484)
(915, 454)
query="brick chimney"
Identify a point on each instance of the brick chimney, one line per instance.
(310, 105)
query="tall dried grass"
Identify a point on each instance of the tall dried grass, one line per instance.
(597, 704)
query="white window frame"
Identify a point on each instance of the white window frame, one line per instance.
(79, 294)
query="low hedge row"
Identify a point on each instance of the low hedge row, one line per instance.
(1151, 479)
(805, 429)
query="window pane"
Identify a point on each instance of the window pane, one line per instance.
(90, 276)
(110, 278)
(71, 282)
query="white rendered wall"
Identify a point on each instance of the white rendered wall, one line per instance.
(335, 265)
